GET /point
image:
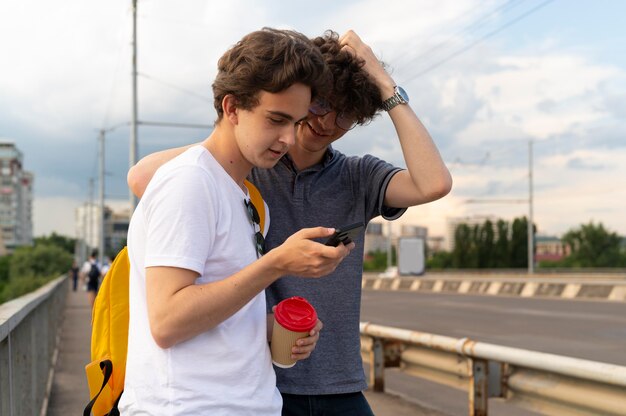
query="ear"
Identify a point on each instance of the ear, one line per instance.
(229, 106)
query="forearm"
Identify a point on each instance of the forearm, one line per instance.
(180, 313)
(427, 178)
(178, 309)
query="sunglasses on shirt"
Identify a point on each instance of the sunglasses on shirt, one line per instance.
(259, 240)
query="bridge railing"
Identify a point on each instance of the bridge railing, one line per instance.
(29, 330)
(547, 383)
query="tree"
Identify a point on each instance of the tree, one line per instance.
(376, 261)
(519, 243)
(66, 243)
(43, 260)
(485, 246)
(462, 246)
(4, 269)
(593, 246)
(501, 249)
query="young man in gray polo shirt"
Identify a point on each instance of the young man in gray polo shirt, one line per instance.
(316, 185)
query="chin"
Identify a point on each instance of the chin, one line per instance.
(266, 164)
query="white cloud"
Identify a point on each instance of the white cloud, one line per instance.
(542, 96)
(66, 71)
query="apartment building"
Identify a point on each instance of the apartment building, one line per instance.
(16, 198)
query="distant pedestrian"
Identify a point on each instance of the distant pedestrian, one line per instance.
(91, 274)
(105, 267)
(74, 275)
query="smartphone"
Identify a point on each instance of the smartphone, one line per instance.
(345, 234)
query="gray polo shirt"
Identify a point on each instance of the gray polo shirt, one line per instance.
(338, 191)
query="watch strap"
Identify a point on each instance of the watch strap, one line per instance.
(394, 100)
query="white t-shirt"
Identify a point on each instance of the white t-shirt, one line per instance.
(193, 216)
(86, 267)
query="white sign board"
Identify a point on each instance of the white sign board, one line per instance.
(411, 256)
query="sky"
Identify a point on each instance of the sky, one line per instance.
(486, 77)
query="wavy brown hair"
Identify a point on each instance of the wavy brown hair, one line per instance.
(268, 60)
(353, 92)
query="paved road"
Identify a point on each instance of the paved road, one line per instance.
(69, 389)
(591, 330)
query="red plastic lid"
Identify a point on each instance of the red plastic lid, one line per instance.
(296, 314)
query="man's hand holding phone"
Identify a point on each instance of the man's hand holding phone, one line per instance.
(345, 234)
(300, 255)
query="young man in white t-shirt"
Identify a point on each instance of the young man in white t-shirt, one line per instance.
(198, 330)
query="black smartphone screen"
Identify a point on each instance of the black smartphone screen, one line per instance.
(345, 234)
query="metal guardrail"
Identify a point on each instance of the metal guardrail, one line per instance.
(546, 383)
(29, 330)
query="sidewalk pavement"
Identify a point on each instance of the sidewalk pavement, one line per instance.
(70, 394)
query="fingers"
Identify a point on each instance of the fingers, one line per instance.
(300, 256)
(316, 232)
(305, 346)
(352, 43)
(350, 38)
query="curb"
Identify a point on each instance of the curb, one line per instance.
(494, 285)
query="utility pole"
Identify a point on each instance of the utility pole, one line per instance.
(531, 237)
(89, 234)
(101, 198)
(133, 128)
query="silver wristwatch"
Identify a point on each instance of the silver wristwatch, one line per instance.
(399, 97)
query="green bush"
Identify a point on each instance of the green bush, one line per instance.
(40, 261)
(4, 269)
(18, 287)
(440, 260)
(28, 268)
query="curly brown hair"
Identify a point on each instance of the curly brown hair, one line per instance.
(268, 60)
(353, 92)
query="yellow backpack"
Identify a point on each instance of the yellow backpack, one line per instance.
(109, 330)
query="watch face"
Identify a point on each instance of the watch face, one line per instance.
(403, 94)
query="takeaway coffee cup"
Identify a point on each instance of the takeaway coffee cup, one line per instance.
(293, 319)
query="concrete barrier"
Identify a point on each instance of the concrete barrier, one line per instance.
(29, 328)
(549, 286)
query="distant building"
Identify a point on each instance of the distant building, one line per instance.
(435, 244)
(116, 231)
(87, 222)
(16, 198)
(409, 230)
(374, 238)
(550, 248)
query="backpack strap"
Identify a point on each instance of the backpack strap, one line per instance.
(257, 201)
(107, 369)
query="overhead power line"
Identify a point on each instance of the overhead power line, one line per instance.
(473, 26)
(176, 87)
(478, 41)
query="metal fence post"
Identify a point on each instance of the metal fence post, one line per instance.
(479, 388)
(377, 365)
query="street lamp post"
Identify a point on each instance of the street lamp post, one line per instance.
(531, 237)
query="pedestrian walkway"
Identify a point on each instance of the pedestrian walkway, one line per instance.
(70, 394)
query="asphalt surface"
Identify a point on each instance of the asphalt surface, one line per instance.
(591, 330)
(70, 394)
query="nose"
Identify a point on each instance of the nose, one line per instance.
(327, 121)
(289, 136)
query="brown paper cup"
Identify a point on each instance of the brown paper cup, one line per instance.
(282, 342)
